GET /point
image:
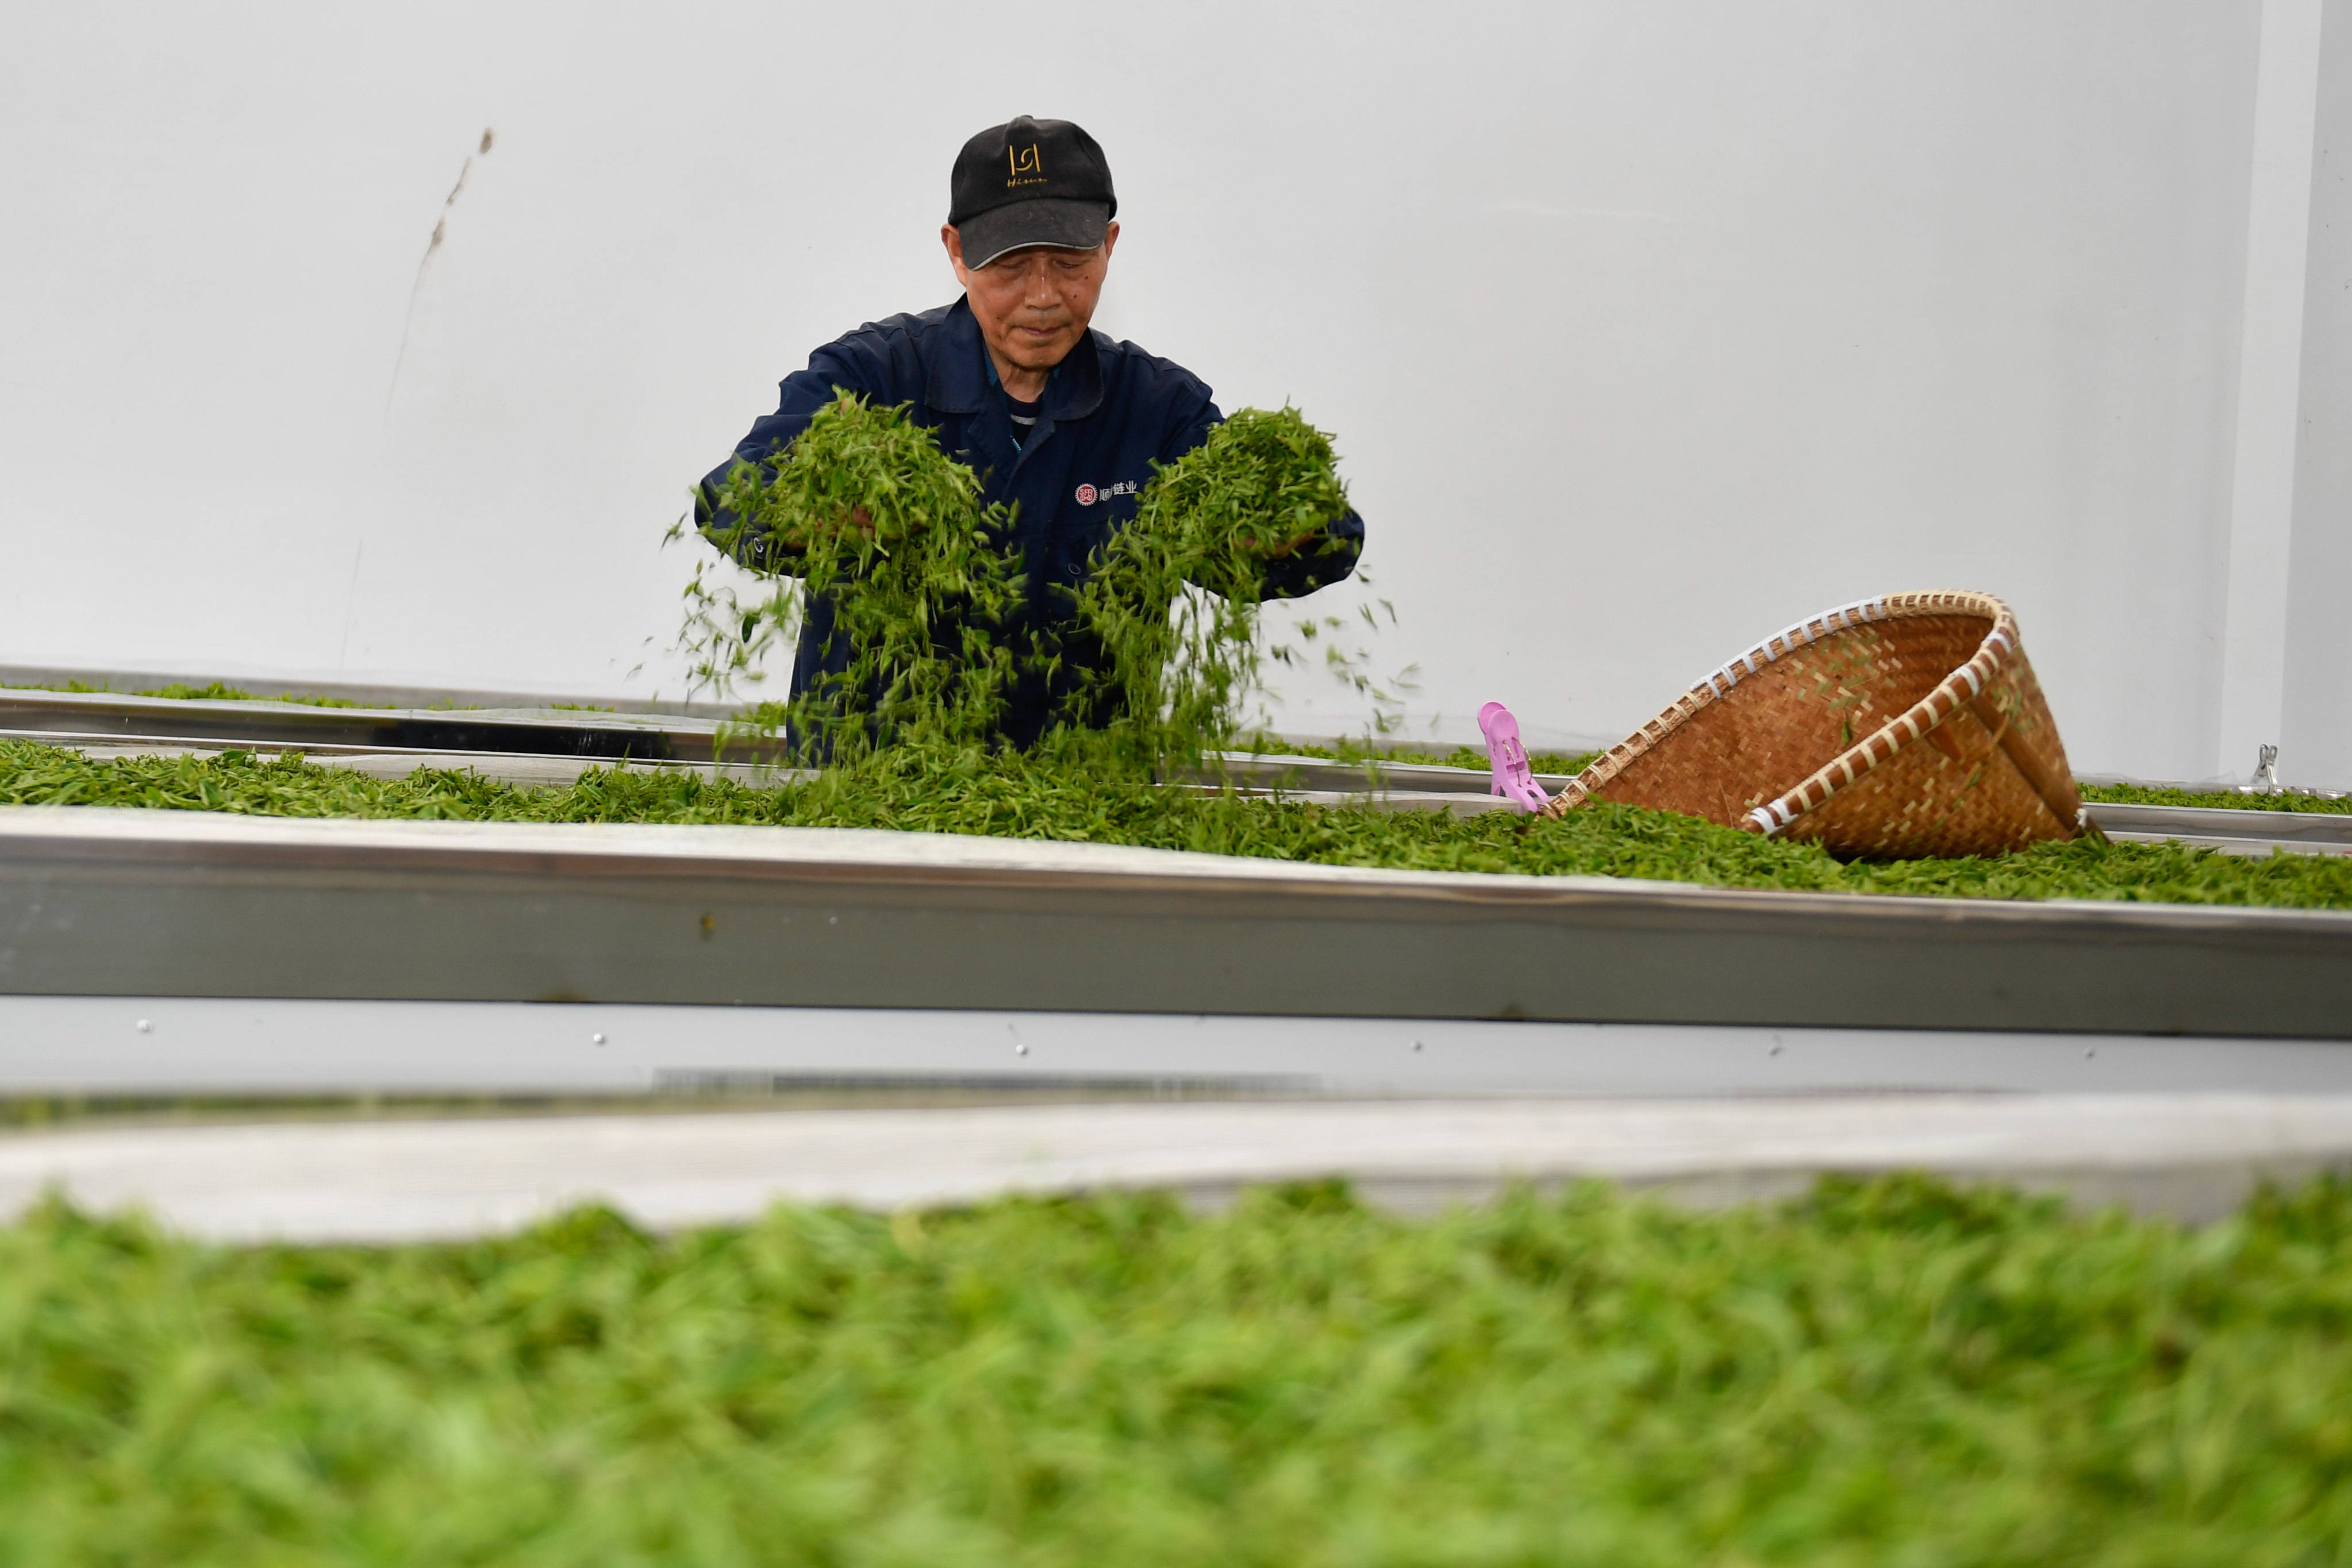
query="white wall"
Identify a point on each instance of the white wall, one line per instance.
(1645, 327)
(2315, 626)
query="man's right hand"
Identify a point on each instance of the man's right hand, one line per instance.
(1259, 546)
(857, 517)
(861, 520)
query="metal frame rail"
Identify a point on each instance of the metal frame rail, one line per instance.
(71, 718)
(97, 902)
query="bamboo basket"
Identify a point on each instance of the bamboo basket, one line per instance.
(1893, 729)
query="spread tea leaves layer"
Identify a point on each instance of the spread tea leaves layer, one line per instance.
(1887, 1372)
(1016, 795)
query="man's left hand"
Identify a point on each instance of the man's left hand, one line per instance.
(1280, 546)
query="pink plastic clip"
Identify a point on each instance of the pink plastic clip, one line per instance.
(1513, 779)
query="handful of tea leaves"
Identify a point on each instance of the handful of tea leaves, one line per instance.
(857, 470)
(1173, 598)
(866, 511)
(1264, 485)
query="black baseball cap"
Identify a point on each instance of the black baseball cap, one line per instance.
(1029, 182)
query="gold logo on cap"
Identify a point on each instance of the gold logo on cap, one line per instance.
(1026, 168)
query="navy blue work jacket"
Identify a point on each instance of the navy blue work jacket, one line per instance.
(1109, 411)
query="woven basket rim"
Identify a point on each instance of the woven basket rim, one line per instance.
(1999, 648)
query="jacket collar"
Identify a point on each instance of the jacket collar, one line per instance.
(961, 380)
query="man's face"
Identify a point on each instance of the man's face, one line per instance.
(1034, 305)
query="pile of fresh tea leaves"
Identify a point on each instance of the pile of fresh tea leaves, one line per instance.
(1891, 1372)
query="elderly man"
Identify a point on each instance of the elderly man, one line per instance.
(1058, 420)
